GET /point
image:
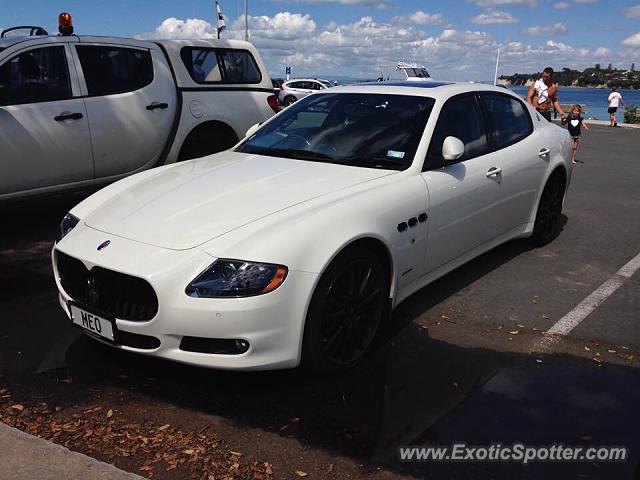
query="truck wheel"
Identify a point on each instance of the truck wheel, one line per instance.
(206, 139)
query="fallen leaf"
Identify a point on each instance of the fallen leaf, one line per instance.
(268, 468)
(597, 360)
(188, 452)
(624, 348)
(236, 454)
(521, 326)
(587, 348)
(535, 299)
(611, 350)
(500, 327)
(18, 407)
(300, 473)
(110, 413)
(330, 468)
(538, 360)
(163, 427)
(515, 332)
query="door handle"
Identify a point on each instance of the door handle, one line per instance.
(493, 172)
(67, 116)
(157, 105)
(544, 152)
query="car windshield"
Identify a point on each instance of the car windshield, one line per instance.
(358, 129)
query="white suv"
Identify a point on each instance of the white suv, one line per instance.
(79, 111)
(293, 90)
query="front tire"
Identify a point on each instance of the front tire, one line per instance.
(549, 214)
(346, 310)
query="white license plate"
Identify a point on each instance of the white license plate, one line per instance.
(92, 323)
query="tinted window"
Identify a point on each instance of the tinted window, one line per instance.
(364, 130)
(460, 117)
(39, 75)
(109, 70)
(219, 65)
(510, 120)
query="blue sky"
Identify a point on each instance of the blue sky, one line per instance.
(455, 39)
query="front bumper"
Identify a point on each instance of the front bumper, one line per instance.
(273, 323)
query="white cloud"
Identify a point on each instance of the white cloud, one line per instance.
(496, 3)
(633, 41)
(418, 18)
(363, 3)
(562, 5)
(555, 29)
(173, 28)
(494, 17)
(364, 48)
(632, 12)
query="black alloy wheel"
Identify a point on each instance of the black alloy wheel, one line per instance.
(547, 224)
(347, 307)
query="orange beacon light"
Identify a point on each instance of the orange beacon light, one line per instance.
(65, 24)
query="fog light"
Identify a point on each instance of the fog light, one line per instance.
(242, 346)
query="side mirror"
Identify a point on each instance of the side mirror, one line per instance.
(252, 129)
(452, 149)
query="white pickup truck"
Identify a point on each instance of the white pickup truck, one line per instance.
(80, 111)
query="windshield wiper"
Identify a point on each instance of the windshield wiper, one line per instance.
(372, 162)
(293, 153)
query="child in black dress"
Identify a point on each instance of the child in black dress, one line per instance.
(574, 122)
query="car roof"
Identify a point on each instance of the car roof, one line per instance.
(426, 88)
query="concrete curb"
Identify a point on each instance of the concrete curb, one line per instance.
(25, 457)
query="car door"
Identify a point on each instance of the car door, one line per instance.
(44, 134)
(464, 195)
(131, 105)
(521, 152)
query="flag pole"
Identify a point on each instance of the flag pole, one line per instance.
(218, 19)
(246, 21)
(495, 77)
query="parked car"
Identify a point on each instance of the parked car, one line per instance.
(295, 246)
(77, 111)
(293, 90)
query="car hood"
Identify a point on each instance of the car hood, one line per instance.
(188, 204)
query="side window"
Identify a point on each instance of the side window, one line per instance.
(460, 117)
(109, 70)
(510, 119)
(219, 65)
(39, 75)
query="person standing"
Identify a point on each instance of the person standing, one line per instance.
(543, 95)
(574, 123)
(615, 100)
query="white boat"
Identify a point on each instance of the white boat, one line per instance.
(413, 71)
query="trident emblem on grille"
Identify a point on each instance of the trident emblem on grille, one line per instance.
(104, 245)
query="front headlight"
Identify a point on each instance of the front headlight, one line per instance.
(67, 224)
(237, 278)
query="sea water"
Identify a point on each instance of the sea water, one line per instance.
(594, 98)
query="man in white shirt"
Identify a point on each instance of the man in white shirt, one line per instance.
(543, 95)
(615, 100)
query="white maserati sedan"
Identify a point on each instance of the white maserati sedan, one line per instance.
(294, 246)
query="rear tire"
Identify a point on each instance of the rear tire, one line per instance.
(206, 139)
(549, 213)
(347, 307)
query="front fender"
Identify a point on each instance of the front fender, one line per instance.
(308, 236)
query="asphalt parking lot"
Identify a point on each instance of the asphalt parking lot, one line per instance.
(465, 359)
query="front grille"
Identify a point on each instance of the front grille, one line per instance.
(111, 293)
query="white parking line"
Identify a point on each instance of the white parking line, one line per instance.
(572, 319)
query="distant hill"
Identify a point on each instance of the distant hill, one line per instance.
(595, 77)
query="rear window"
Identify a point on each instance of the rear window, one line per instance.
(109, 70)
(220, 65)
